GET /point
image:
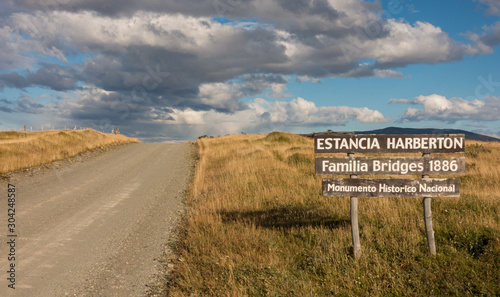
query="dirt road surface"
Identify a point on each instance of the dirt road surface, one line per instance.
(97, 227)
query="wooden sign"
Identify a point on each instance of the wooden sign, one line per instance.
(390, 165)
(387, 143)
(433, 187)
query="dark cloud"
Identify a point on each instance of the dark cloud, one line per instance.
(6, 106)
(13, 80)
(493, 6)
(53, 76)
(6, 109)
(491, 37)
(319, 7)
(28, 105)
(124, 106)
(485, 42)
(116, 7)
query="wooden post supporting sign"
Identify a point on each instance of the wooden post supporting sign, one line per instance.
(429, 231)
(356, 245)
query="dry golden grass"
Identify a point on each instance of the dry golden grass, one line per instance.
(20, 150)
(257, 224)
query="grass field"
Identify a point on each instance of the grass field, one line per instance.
(19, 150)
(258, 225)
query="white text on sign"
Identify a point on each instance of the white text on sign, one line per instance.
(389, 143)
(390, 165)
(434, 187)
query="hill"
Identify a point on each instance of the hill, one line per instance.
(19, 150)
(397, 130)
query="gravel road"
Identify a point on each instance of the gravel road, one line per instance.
(95, 227)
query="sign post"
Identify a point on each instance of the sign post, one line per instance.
(429, 231)
(426, 187)
(356, 245)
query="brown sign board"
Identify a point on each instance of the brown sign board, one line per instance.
(433, 187)
(390, 165)
(389, 143)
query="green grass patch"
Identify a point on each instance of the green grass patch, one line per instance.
(474, 150)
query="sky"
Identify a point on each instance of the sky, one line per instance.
(172, 70)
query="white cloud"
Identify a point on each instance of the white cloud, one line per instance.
(406, 44)
(437, 107)
(225, 96)
(305, 78)
(387, 73)
(87, 31)
(297, 112)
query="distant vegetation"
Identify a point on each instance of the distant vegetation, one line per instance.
(258, 225)
(20, 150)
